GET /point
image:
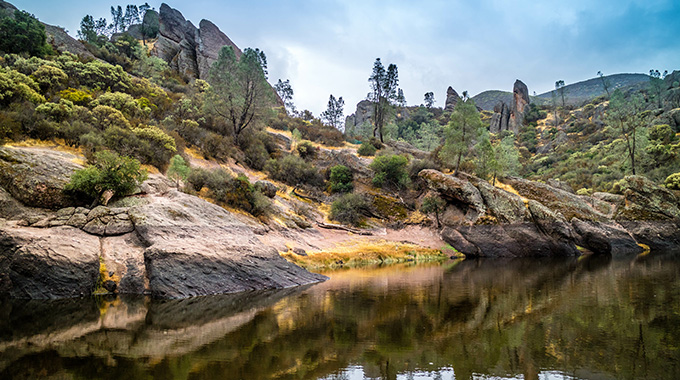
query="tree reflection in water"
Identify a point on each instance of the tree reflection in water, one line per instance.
(591, 317)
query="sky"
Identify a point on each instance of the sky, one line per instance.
(328, 47)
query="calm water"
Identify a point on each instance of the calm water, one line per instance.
(588, 318)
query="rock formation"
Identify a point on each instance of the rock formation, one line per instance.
(511, 117)
(521, 100)
(500, 118)
(161, 241)
(363, 114)
(189, 50)
(452, 99)
(541, 220)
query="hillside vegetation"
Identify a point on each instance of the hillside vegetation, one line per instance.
(217, 138)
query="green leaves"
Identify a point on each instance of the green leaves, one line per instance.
(109, 172)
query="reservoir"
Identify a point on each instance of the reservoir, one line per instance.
(577, 318)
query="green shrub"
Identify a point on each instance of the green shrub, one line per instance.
(673, 181)
(71, 132)
(197, 178)
(306, 150)
(294, 171)
(390, 170)
(76, 96)
(108, 172)
(366, 149)
(56, 111)
(349, 209)
(106, 117)
(341, 179)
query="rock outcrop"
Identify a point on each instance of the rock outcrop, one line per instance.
(537, 219)
(521, 100)
(160, 242)
(452, 99)
(37, 177)
(363, 114)
(510, 117)
(189, 50)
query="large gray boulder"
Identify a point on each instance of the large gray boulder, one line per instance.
(47, 263)
(197, 248)
(36, 176)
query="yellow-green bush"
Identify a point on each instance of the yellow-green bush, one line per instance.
(79, 97)
(106, 117)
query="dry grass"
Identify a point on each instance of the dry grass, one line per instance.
(364, 253)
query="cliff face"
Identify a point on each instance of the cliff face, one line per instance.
(189, 50)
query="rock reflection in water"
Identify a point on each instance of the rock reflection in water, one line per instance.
(548, 318)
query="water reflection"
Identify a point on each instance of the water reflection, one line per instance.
(477, 319)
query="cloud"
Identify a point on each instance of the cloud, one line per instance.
(328, 47)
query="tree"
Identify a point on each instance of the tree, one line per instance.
(605, 83)
(87, 30)
(150, 25)
(23, 33)
(629, 121)
(507, 158)
(465, 126)
(334, 112)
(285, 92)
(143, 9)
(239, 92)
(116, 19)
(559, 87)
(101, 27)
(433, 204)
(657, 86)
(390, 170)
(131, 16)
(486, 162)
(383, 94)
(178, 170)
(429, 99)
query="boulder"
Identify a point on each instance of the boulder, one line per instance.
(47, 263)
(124, 259)
(658, 235)
(644, 200)
(568, 204)
(605, 238)
(197, 248)
(483, 220)
(511, 240)
(267, 188)
(36, 176)
(457, 191)
(363, 114)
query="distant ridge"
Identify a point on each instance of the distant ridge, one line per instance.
(587, 90)
(576, 93)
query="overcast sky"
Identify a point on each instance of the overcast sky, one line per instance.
(328, 47)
